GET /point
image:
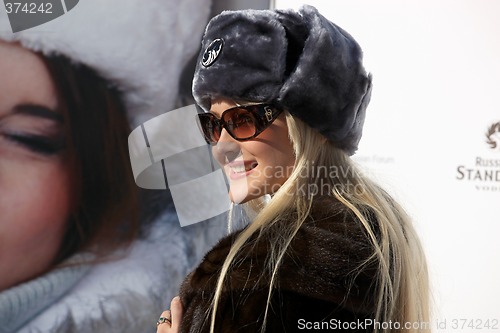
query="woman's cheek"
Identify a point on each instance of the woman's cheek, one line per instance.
(35, 206)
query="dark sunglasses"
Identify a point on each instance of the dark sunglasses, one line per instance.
(241, 122)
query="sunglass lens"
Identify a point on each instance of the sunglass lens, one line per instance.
(211, 128)
(240, 122)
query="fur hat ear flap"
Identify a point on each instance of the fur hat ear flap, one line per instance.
(329, 89)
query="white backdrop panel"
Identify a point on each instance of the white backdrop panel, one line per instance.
(436, 70)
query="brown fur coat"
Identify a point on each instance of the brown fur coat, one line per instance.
(315, 286)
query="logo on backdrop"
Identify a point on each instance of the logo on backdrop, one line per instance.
(24, 14)
(493, 136)
(484, 171)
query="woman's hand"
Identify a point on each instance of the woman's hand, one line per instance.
(170, 320)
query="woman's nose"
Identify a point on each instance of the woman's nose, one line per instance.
(226, 149)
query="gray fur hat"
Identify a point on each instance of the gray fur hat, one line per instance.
(298, 60)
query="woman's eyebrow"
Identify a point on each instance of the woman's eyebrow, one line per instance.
(38, 111)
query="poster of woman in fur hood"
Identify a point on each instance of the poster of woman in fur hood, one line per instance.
(82, 247)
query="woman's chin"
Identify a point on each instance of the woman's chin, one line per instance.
(237, 197)
(240, 193)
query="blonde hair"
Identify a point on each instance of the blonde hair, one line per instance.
(401, 284)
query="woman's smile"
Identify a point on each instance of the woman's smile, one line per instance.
(240, 169)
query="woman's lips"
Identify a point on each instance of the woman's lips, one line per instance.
(241, 169)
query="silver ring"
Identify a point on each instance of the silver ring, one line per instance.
(163, 320)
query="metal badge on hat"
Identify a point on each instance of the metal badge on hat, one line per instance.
(212, 52)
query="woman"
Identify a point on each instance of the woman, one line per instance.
(47, 153)
(76, 251)
(286, 94)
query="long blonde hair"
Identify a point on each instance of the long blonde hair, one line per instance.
(402, 291)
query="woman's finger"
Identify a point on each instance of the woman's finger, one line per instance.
(163, 325)
(176, 309)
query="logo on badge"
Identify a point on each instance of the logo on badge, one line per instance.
(212, 52)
